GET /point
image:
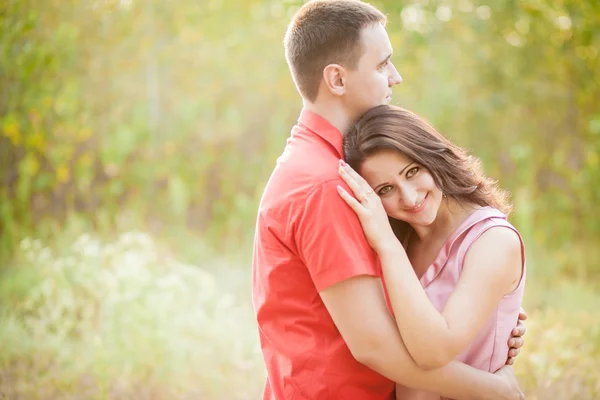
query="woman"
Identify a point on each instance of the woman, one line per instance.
(453, 266)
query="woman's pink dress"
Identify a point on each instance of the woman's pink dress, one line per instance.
(489, 350)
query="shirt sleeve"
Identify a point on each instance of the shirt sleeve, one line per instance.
(330, 240)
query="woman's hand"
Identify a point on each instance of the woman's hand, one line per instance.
(368, 208)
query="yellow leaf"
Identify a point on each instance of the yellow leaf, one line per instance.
(86, 160)
(34, 165)
(11, 130)
(62, 174)
(36, 141)
(84, 134)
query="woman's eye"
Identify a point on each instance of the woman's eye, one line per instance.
(384, 190)
(412, 171)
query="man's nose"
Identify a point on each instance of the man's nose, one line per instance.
(395, 77)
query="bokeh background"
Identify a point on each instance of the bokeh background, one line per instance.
(136, 137)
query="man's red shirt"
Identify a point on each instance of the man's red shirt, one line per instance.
(308, 239)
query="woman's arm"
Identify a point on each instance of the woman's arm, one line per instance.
(491, 269)
(358, 308)
(406, 393)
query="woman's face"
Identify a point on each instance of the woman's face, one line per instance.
(407, 190)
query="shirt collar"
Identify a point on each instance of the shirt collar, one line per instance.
(323, 128)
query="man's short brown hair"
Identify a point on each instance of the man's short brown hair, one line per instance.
(326, 32)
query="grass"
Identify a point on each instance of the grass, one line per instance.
(121, 317)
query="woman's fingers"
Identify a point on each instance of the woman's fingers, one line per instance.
(359, 186)
(354, 186)
(351, 201)
(356, 176)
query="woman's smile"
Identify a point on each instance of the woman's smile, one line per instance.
(420, 206)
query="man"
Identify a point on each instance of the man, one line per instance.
(325, 328)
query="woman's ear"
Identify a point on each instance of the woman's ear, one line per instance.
(334, 78)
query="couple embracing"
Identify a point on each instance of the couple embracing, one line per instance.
(384, 264)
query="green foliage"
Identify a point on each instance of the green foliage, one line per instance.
(179, 113)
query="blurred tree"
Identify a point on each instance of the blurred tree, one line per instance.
(180, 112)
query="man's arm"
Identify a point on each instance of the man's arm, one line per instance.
(516, 341)
(358, 308)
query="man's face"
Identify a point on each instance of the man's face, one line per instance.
(370, 85)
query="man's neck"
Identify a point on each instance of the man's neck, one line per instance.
(333, 112)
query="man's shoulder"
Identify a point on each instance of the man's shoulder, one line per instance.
(290, 185)
(289, 199)
(298, 172)
(306, 166)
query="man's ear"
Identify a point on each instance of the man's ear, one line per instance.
(334, 79)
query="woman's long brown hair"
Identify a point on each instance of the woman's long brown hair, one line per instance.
(454, 171)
